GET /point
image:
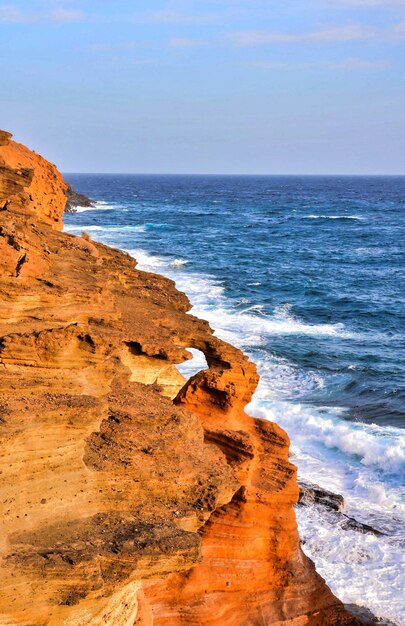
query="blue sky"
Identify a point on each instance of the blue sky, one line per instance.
(207, 86)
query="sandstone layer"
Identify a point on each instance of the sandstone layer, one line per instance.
(129, 495)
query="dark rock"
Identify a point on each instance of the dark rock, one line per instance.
(314, 494)
(75, 199)
(349, 523)
(311, 494)
(366, 617)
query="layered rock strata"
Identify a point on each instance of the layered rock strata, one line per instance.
(129, 495)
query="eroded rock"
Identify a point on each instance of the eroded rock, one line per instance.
(119, 505)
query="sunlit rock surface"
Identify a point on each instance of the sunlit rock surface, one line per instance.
(130, 496)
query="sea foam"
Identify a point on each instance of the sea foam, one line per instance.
(98, 206)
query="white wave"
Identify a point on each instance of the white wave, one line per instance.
(361, 569)
(82, 209)
(99, 206)
(147, 262)
(179, 263)
(373, 250)
(254, 307)
(363, 463)
(376, 447)
(91, 228)
(225, 319)
(333, 217)
(104, 229)
(209, 302)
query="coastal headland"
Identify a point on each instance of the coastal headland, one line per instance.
(130, 495)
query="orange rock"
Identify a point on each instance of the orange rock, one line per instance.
(29, 184)
(252, 570)
(119, 504)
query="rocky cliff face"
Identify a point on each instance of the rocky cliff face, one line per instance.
(30, 185)
(129, 495)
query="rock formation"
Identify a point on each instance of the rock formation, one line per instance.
(314, 495)
(129, 495)
(75, 199)
(310, 494)
(30, 185)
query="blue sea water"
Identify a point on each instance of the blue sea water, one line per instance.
(306, 275)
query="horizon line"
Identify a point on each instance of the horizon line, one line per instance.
(230, 175)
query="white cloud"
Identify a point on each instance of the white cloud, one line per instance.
(12, 14)
(348, 32)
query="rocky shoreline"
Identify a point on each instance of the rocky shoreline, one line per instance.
(314, 495)
(129, 494)
(366, 617)
(75, 199)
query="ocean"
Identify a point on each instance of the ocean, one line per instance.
(306, 276)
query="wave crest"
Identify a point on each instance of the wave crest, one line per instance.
(333, 217)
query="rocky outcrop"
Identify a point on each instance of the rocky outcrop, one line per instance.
(129, 495)
(75, 199)
(30, 185)
(314, 495)
(366, 617)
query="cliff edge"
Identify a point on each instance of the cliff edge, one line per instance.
(130, 495)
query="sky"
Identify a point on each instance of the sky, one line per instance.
(207, 86)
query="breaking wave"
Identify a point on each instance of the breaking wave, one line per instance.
(99, 206)
(333, 217)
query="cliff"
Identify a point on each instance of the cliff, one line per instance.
(129, 495)
(30, 185)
